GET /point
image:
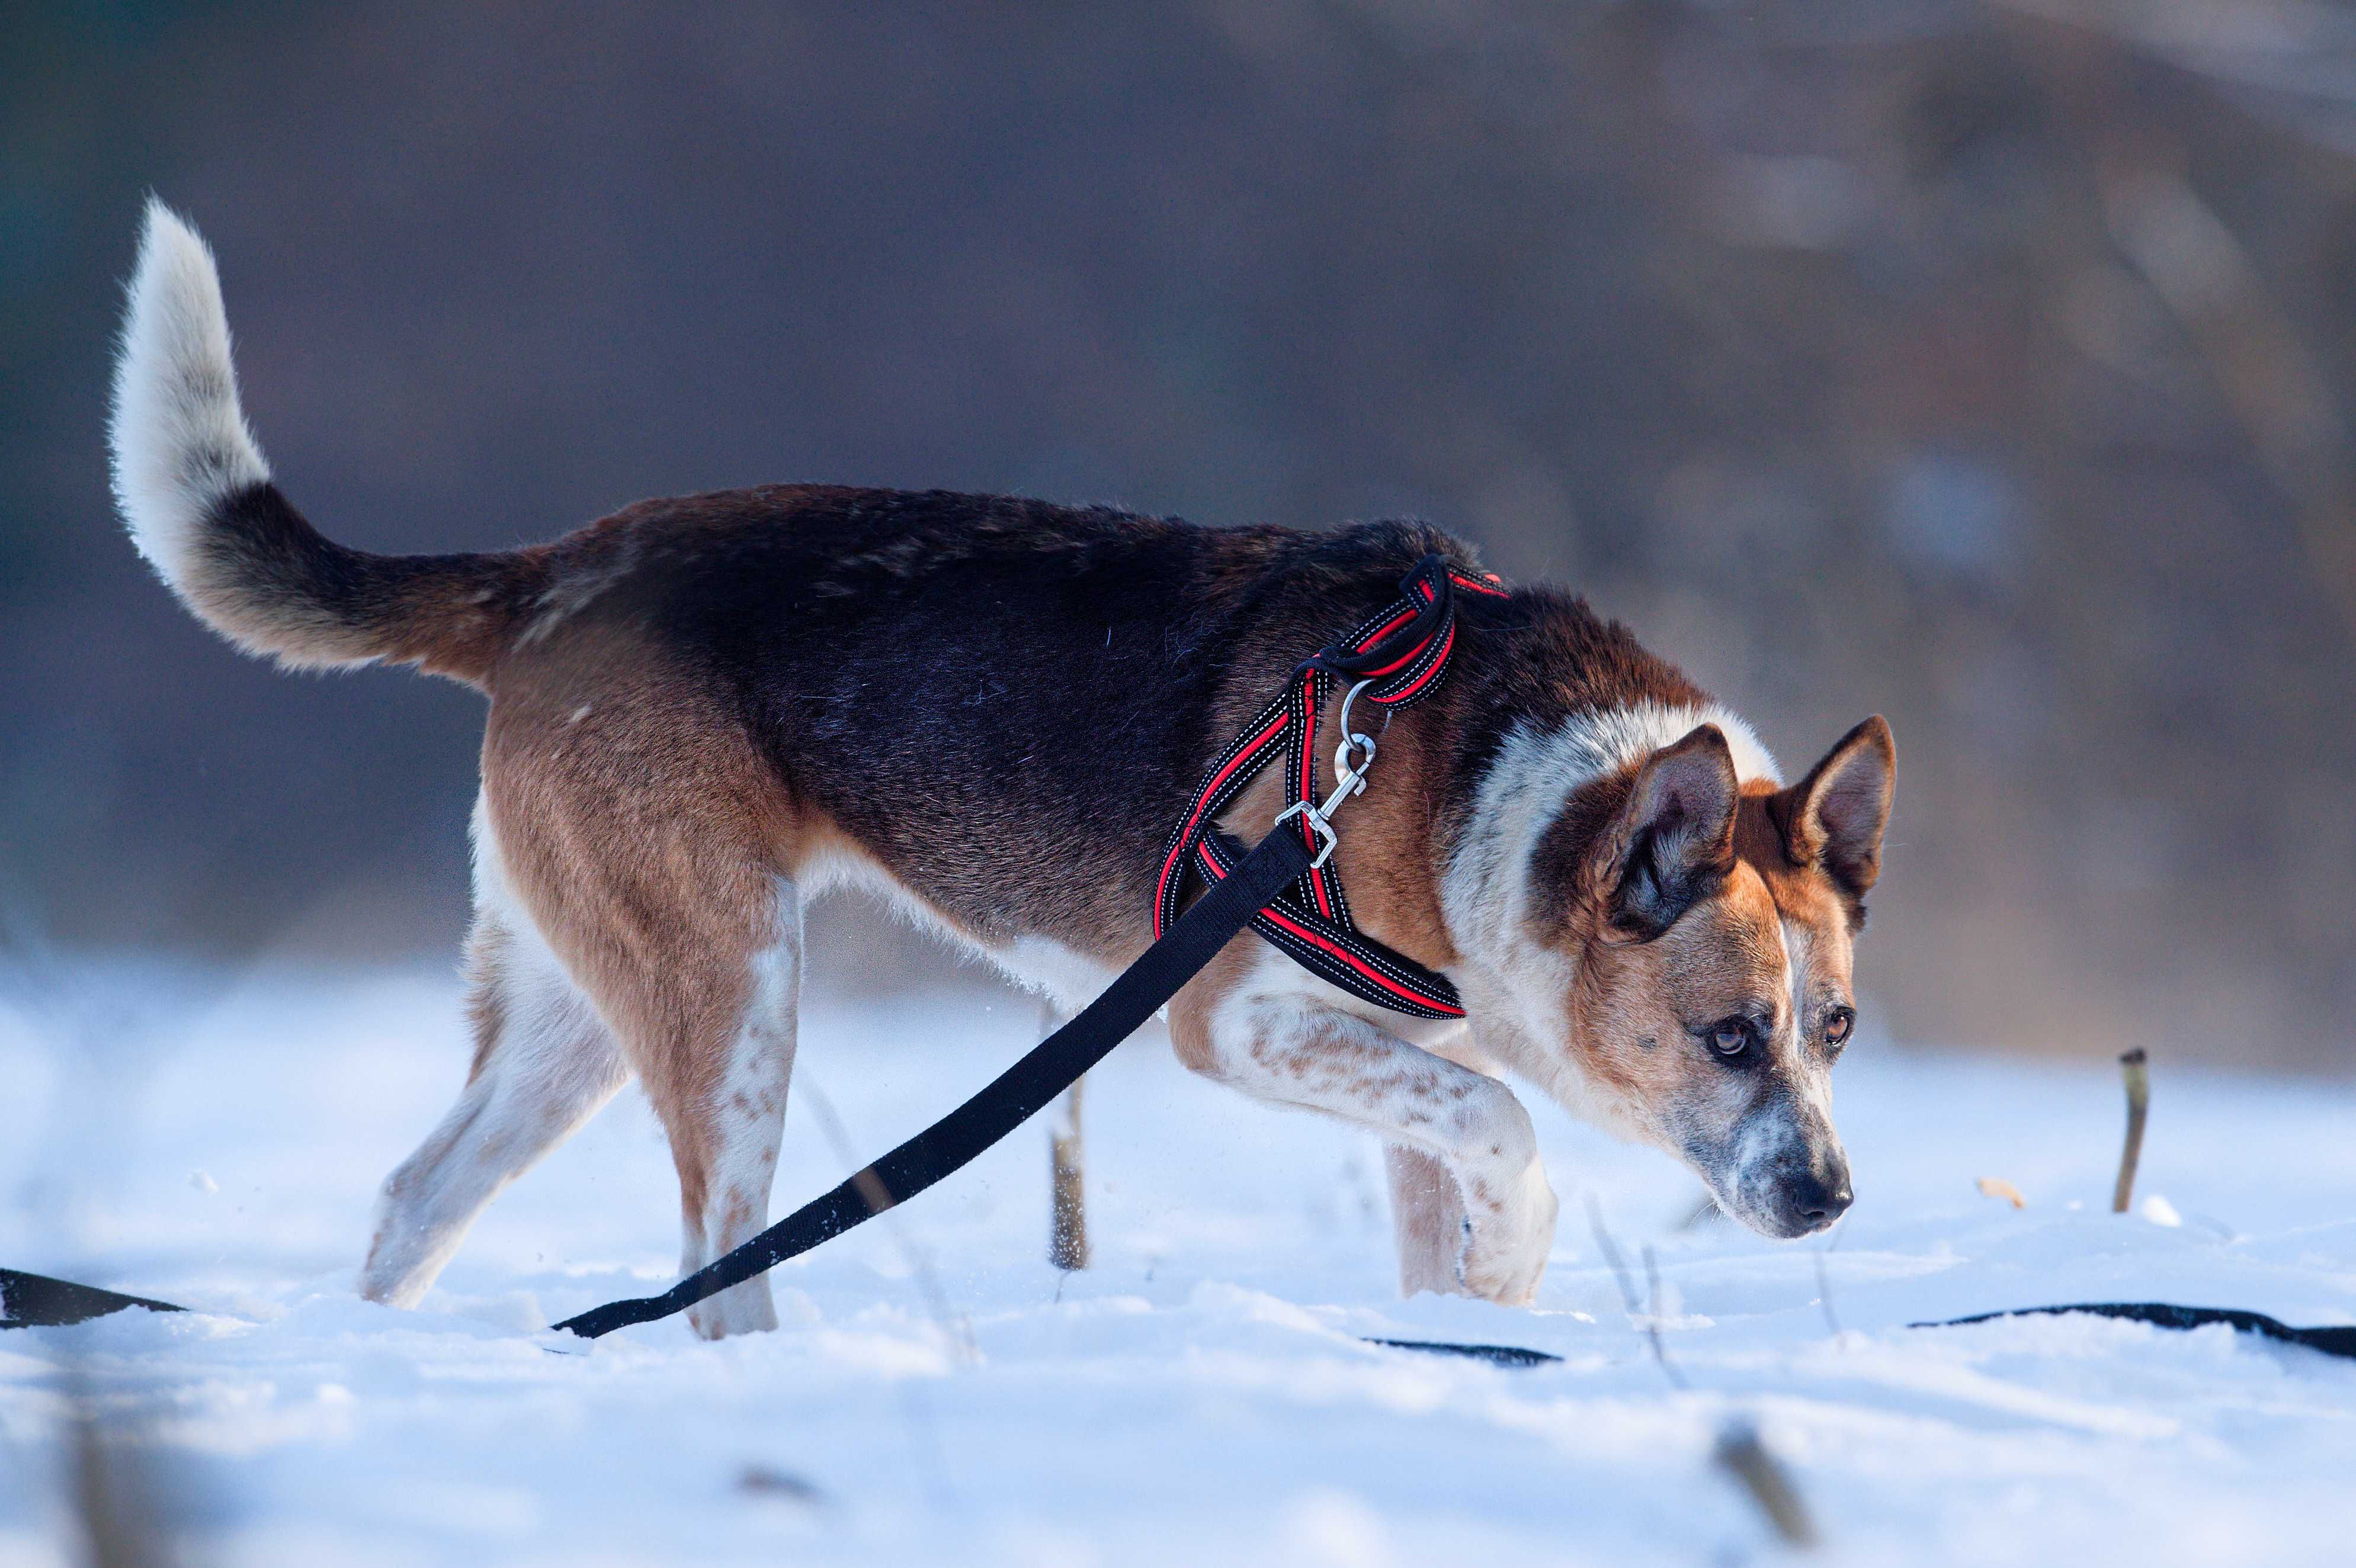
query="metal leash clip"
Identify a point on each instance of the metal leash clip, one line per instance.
(1350, 778)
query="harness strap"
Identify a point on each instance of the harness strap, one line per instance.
(1400, 653)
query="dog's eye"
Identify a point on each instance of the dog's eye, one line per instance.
(1730, 1036)
(1837, 1026)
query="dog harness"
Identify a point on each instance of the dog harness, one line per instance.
(1395, 657)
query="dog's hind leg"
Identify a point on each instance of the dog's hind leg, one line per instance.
(726, 1123)
(670, 902)
(656, 848)
(703, 995)
(545, 1063)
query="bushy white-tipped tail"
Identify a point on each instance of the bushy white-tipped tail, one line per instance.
(199, 499)
(180, 441)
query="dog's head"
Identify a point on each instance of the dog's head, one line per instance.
(1709, 925)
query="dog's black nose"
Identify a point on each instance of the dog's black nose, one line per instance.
(1816, 1199)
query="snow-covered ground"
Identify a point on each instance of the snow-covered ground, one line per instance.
(1203, 1394)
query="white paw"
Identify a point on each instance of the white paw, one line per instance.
(1508, 1232)
(745, 1309)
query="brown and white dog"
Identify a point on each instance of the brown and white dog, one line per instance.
(704, 713)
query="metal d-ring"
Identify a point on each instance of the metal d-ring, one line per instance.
(1345, 766)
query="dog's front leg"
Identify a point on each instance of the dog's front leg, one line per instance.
(1455, 1123)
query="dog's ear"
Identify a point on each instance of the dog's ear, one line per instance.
(1672, 841)
(1836, 816)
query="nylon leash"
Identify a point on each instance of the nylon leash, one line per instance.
(2334, 1341)
(37, 1301)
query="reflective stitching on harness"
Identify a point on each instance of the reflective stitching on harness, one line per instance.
(1348, 958)
(1311, 922)
(1208, 801)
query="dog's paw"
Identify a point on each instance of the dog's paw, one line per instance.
(1508, 1232)
(745, 1309)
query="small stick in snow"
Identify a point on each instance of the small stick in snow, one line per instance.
(2133, 1067)
(1742, 1456)
(1619, 1265)
(1636, 1313)
(120, 1495)
(1652, 1321)
(1067, 1234)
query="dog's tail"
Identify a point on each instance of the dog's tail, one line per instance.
(198, 497)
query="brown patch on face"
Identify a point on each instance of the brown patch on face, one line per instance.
(1771, 940)
(1639, 1011)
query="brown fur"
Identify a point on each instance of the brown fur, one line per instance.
(642, 837)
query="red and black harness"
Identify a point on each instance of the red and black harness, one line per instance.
(1395, 658)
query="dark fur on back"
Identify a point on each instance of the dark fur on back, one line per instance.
(972, 687)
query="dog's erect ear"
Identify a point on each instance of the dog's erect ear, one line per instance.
(1673, 839)
(1834, 816)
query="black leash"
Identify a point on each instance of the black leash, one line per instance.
(1495, 1355)
(1052, 1067)
(2338, 1341)
(2167, 1315)
(37, 1301)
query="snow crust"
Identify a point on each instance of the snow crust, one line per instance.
(1203, 1394)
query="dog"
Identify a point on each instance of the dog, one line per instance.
(705, 712)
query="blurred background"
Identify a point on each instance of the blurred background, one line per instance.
(1989, 366)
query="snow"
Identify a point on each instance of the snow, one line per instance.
(1203, 1393)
